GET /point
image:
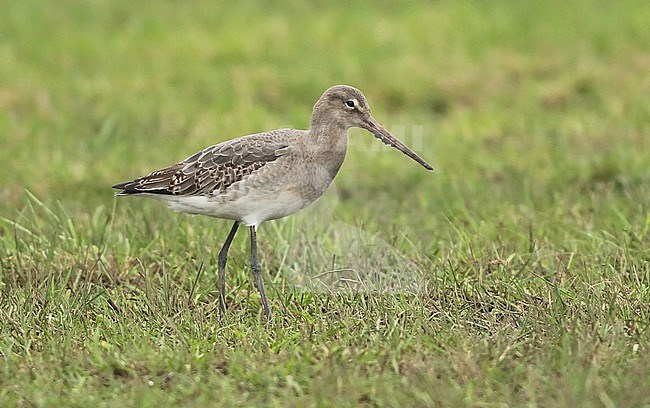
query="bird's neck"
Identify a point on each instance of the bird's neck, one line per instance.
(328, 145)
(329, 137)
(325, 149)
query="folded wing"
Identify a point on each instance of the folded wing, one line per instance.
(211, 170)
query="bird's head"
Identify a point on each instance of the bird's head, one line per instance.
(344, 107)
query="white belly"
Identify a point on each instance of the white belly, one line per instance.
(250, 209)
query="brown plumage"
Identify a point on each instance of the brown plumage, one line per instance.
(213, 169)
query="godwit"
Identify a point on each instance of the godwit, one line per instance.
(265, 176)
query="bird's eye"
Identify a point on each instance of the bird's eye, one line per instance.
(351, 103)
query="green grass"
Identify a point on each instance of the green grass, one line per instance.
(517, 273)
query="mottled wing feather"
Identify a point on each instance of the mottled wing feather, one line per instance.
(213, 169)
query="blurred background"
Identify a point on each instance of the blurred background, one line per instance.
(519, 267)
(520, 106)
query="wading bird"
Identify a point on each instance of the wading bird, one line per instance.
(265, 176)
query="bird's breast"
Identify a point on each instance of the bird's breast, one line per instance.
(317, 171)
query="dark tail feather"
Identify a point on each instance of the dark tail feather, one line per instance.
(157, 182)
(127, 188)
(122, 186)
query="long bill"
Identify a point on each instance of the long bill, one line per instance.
(382, 134)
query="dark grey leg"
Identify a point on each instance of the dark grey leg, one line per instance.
(222, 258)
(257, 273)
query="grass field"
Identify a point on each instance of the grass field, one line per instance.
(516, 274)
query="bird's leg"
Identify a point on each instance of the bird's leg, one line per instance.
(222, 258)
(257, 273)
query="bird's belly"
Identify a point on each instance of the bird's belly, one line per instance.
(255, 209)
(250, 209)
